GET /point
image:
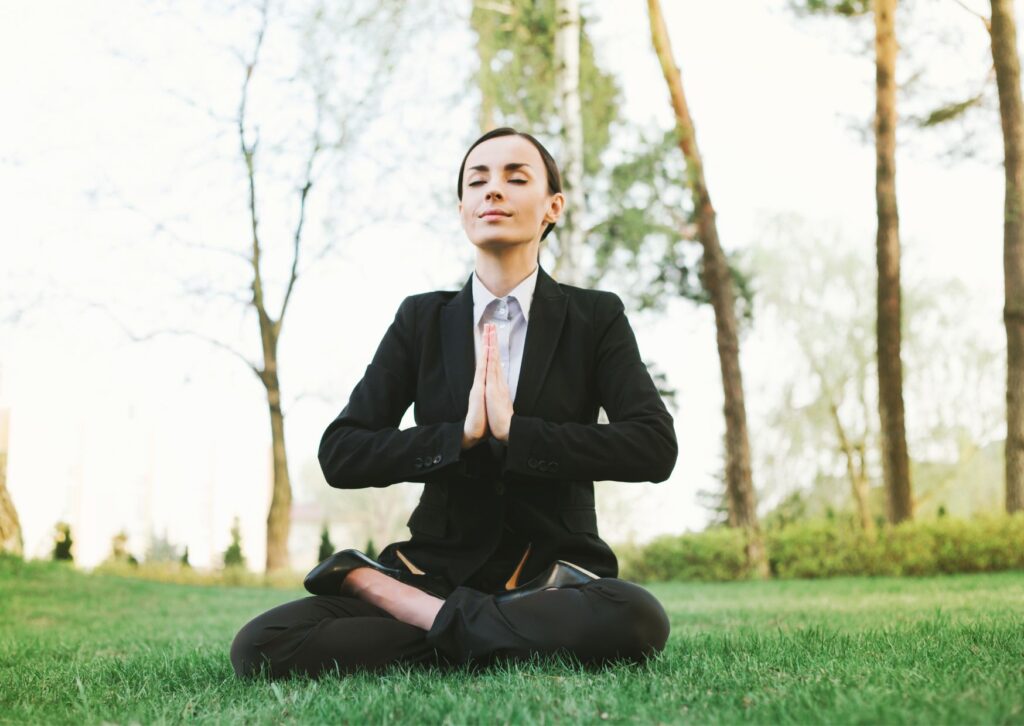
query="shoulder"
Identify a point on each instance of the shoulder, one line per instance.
(599, 305)
(423, 303)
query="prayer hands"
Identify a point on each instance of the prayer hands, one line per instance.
(490, 403)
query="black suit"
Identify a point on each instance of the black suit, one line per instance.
(487, 509)
(580, 355)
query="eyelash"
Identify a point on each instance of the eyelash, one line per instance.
(514, 181)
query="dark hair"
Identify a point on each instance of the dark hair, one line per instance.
(554, 177)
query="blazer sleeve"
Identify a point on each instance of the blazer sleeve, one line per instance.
(638, 443)
(363, 446)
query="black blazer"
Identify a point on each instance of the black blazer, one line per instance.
(580, 354)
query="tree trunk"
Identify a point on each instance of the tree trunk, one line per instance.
(279, 520)
(10, 527)
(567, 91)
(718, 282)
(895, 460)
(1011, 112)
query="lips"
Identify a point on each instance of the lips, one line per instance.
(495, 213)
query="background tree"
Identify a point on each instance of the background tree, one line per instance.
(119, 549)
(717, 281)
(62, 542)
(1011, 114)
(277, 163)
(567, 91)
(818, 439)
(326, 548)
(527, 82)
(233, 556)
(896, 459)
(812, 293)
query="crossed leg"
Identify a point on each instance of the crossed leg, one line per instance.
(377, 623)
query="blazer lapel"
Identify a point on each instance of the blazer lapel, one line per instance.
(457, 345)
(547, 316)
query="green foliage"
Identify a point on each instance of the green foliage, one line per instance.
(184, 558)
(515, 45)
(846, 8)
(647, 237)
(371, 550)
(715, 554)
(233, 556)
(837, 547)
(62, 542)
(326, 548)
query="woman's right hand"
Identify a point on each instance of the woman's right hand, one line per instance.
(476, 415)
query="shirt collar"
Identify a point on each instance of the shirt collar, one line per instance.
(523, 293)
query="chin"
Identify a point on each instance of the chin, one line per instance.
(490, 243)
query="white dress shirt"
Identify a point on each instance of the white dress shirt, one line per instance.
(511, 314)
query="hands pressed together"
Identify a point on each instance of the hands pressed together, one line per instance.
(490, 403)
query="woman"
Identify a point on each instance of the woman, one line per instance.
(507, 376)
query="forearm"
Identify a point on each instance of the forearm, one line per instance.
(640, 449)
(353, 457)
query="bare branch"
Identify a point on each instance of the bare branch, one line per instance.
(248, 154)
(141, 338)
(985, 20)
(303, 194)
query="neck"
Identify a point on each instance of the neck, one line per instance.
(500, 270)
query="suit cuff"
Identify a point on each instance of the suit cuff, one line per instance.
(446, 452)
(527, 453)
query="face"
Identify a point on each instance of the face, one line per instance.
(506, 174)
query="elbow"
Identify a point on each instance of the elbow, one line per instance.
(665, 451)
(334, 463)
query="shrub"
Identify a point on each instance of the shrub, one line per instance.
(715, 554)
(828, 548)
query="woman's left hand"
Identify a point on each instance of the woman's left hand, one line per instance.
(497, 398)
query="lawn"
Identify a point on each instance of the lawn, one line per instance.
(99, 649)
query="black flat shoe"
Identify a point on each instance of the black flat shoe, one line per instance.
(326, 578)
(560, 574)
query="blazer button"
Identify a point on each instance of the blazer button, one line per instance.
(553, 466)
(437, 459)
(532, 463)
(419, 462)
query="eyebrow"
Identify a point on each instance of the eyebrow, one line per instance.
(508, 167)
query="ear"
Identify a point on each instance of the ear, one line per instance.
(555, 207)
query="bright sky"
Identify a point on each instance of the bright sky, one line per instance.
(99, 139)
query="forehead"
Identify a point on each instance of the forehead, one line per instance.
(497, 152)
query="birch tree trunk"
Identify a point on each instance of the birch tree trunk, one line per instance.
(895, 460)
(1011, 113)
(567, 91)
(718, 283)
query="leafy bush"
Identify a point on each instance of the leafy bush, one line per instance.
(715, 554)
(829, 548)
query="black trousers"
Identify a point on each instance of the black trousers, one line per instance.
(604, 620)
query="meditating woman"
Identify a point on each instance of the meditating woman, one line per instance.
(507, 376)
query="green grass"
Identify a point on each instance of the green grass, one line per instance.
(102, 649)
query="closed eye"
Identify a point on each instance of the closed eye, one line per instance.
(514, 181)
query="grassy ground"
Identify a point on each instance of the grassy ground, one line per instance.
(95, 649)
